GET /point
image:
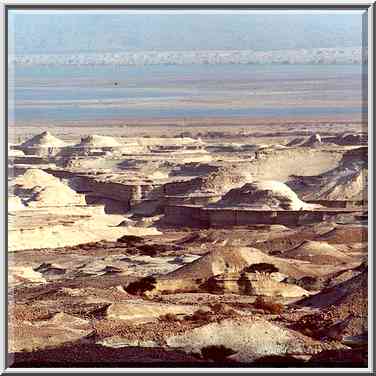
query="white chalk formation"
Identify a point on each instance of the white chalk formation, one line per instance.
(264, 195)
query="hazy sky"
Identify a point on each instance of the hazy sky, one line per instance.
(76, 32)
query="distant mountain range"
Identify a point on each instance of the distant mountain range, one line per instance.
(349, 55)
(83, 33)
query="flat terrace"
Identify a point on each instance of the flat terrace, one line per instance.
(30, 218)
(199, 216)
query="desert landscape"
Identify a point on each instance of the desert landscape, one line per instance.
(187, 190)
(224, 248)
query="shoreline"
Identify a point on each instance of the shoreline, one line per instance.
(192, 122)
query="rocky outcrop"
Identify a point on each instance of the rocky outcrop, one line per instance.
(264, 195)
(225, 269)
(44, 144)
(348, 181)
(250, 340)
(60, 329)
(142, 311)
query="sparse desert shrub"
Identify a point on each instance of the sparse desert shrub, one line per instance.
(169, 317)
(290, 280)
(312, 324)
(309, 283)
(148, 249)
(185, 229)
(87, 310)
(244, 284)
(141, 286)
(269, 306)
(262, 267)
(199, 315)
(131, 251)
(217, 307)
(211, 285)
(97, 312)
(130, 239)
(88, 246)
(222, 309)
(217, 352)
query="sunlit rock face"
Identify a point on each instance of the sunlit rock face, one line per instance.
(264, 195)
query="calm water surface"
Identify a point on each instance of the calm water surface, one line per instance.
(111, 92)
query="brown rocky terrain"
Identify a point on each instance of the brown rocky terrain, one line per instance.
(220, 249)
